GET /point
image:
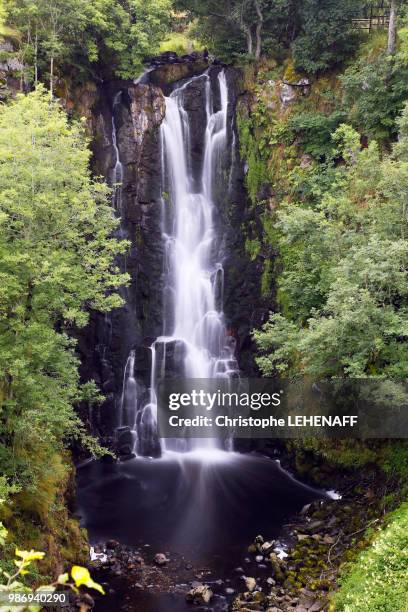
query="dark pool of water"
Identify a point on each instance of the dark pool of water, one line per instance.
(207, 508)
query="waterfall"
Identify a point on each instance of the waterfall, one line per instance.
(117, 177)
(194, 328)
(195, 276)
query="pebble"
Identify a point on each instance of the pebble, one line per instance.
(267, 546)
(250, 583)
(160, 559)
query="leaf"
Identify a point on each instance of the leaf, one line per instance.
(63, 578)
(32, 555)
(82, 576)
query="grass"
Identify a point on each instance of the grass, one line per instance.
(180, 43)
(6, 31)
(378, 579)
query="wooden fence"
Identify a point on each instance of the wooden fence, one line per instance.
(375, 18)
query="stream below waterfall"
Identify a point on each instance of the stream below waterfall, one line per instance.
(202, 509)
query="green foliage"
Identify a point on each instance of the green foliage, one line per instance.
(253, 248)
(90, 35)
(254, 151)
(375, 90)
(229, 29)
(180, 43)
(344, 261)
(314, 129)
(326, 38)
(378, 580)
(14, 580)
(56, 261)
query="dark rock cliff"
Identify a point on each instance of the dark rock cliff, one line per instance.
(136, 111)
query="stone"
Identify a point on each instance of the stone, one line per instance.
(267, 546)
(124, 445)
(306, 599)
(201, 594)
(250, 583)
(168, 73)
(160, 559)
(318, 605)
(287, 94)
(302, 536)
(328, 540)
(314, 525)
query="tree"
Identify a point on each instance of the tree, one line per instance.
(102, 36)
(47, 26)
(241, 25)
(344, 270)
(392, 28)
(326, 37)
(56, 261)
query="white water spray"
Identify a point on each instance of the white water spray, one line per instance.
(194, 323)
(117, 177)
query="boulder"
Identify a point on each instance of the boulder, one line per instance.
(200, 594)
(167, 74)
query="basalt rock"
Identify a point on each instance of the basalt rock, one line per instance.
(201, 594)
(177, 70)
(131, 113)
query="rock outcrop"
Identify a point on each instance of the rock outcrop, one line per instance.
(128, 115)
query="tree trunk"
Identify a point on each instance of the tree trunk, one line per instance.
(36, 60)
(392, 27)
(258, 29)
(52, 77)
(248, 35)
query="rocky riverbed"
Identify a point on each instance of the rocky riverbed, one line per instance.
(295, 572)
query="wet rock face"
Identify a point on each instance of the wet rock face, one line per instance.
(178, 69)
(194, 104)
(136, 111)
(106, 343)
(10, 68)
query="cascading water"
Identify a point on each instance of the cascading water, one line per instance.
(117, 177)
(194, 278)
(193, 320)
